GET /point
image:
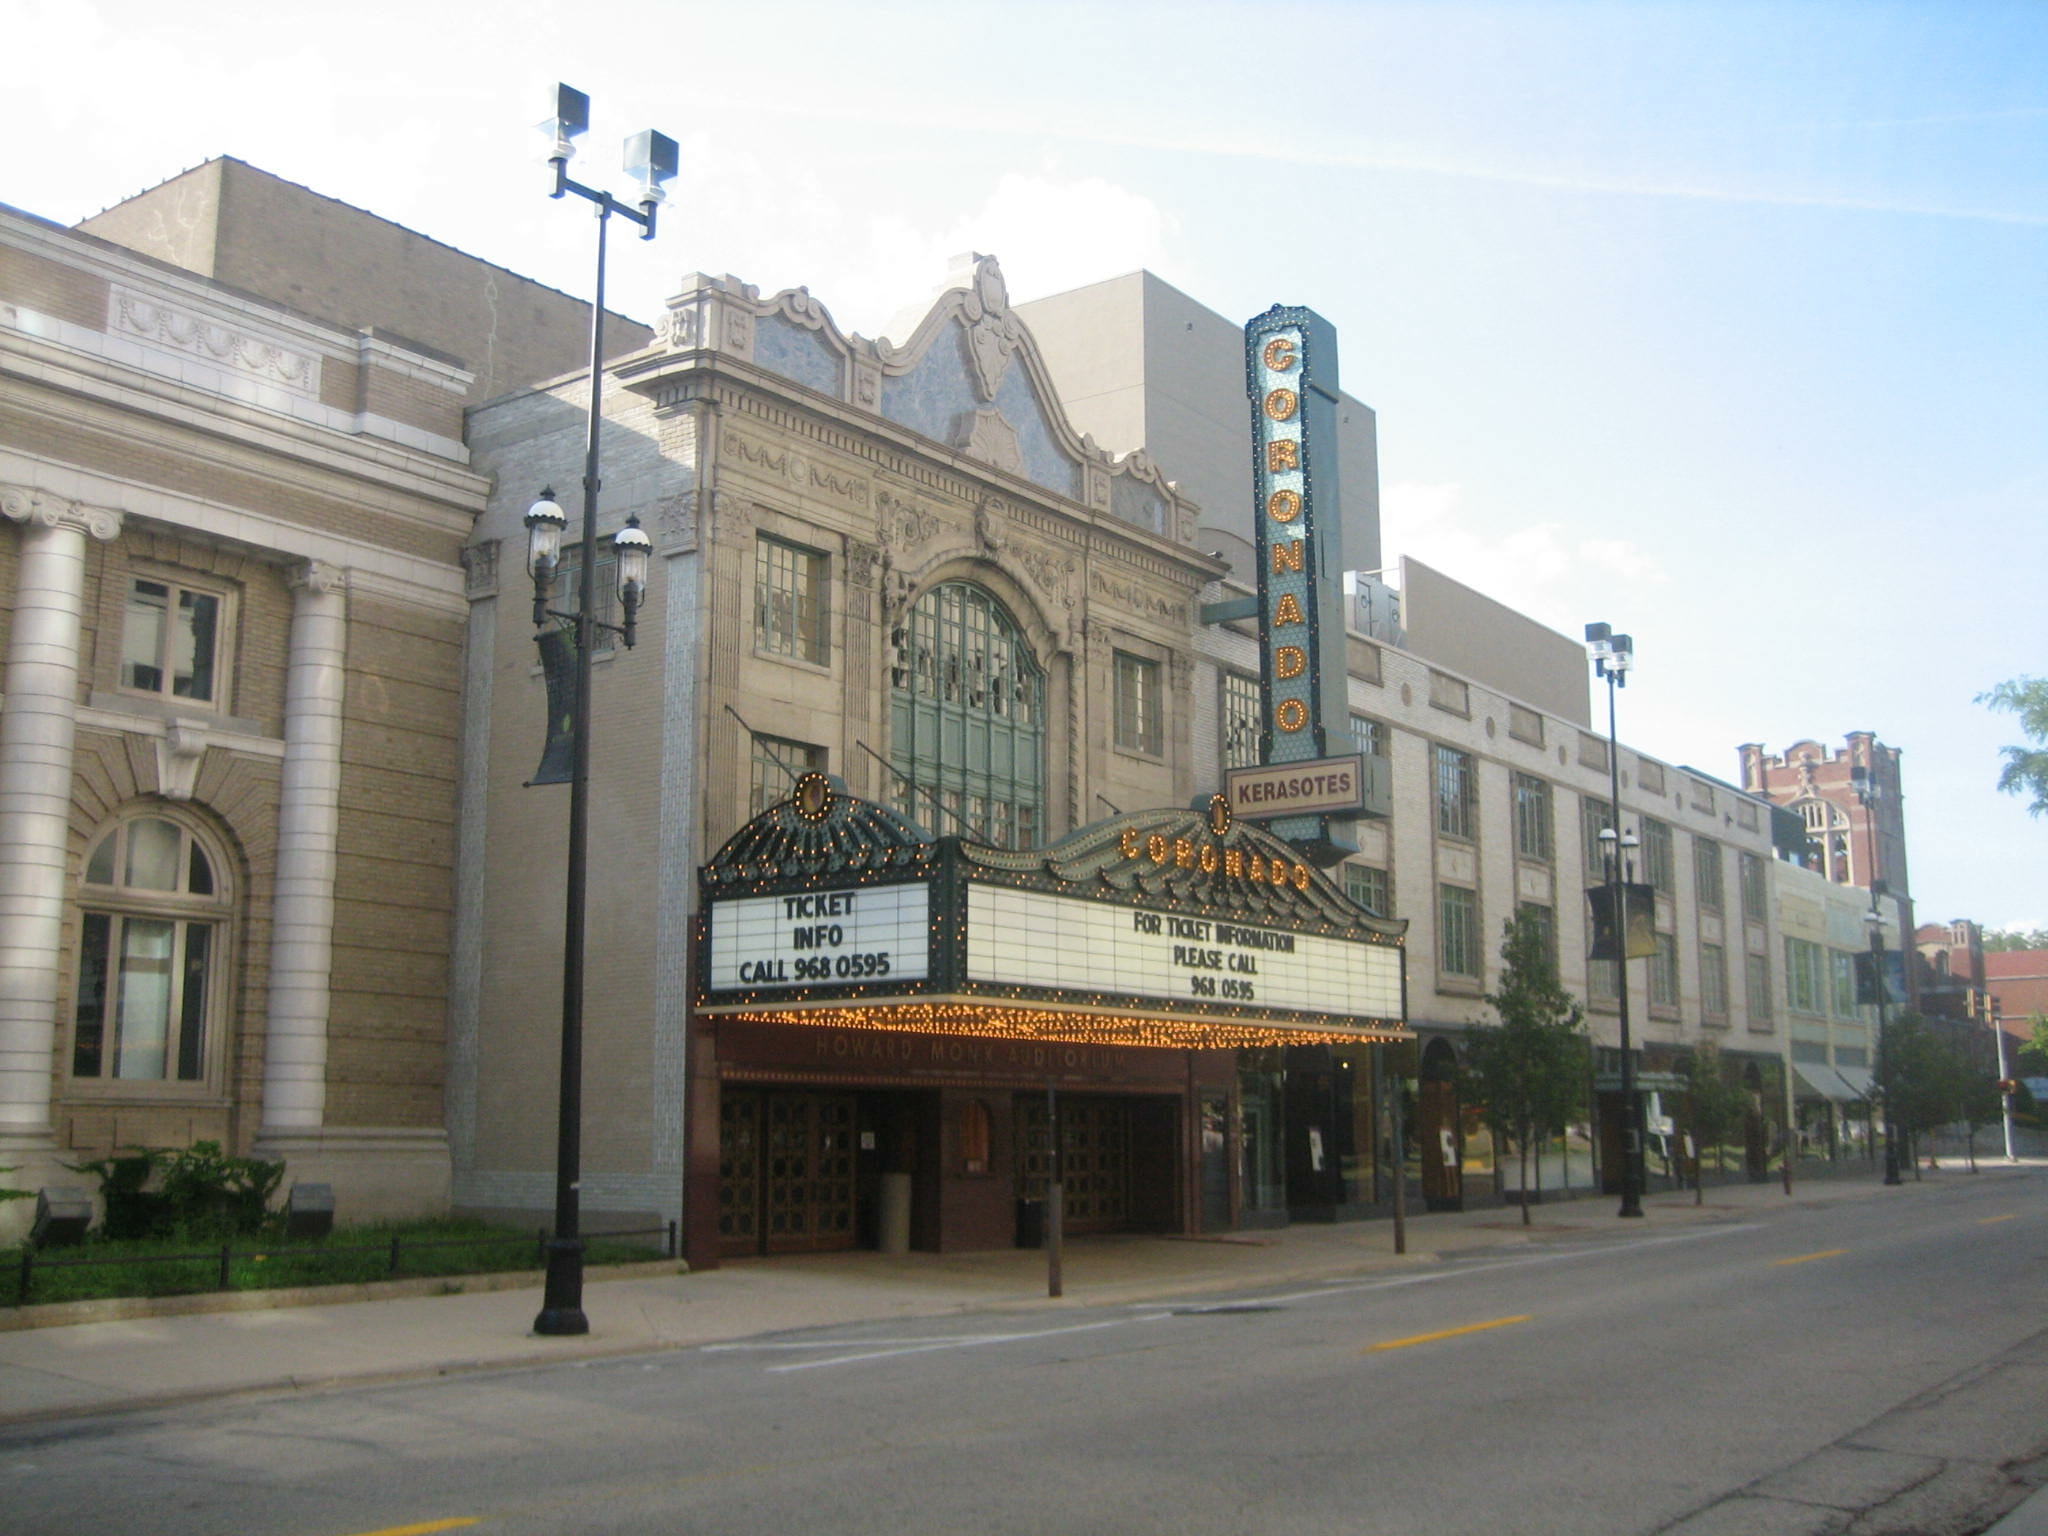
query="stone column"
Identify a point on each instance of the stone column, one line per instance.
(38, 724)
(308, 814)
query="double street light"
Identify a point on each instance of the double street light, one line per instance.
(1613, 655)
(651, 159)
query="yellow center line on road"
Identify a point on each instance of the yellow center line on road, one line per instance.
(1808, 1258)
(1447, 1333)
(1990, 1219)
(426, 1527)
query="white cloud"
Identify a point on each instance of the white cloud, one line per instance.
(1543, 569)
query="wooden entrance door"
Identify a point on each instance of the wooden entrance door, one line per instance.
(786, 1174)
(1095, 1159)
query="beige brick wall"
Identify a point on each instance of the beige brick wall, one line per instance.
(63, 292)
(394, 867)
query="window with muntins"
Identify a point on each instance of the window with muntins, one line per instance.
(1713, 981)
(1842, 973)
(1456, 793)
(1532, 818)
(1372, 889)
(170, 640)
(154, 911)
(1457, 931)
(1757, 975)
(777, 764)
(1594, 818)
(1545, 921)
(1659, 858)
(1750, 872)
(1140, 715)
(1706, 873)
(967, 720)
(1240, 721)
(1805, 979)
(790, 610)
(1664, 973)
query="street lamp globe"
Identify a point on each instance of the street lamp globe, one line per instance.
(545, 521)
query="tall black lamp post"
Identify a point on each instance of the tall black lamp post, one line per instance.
(651, 159)
(1874, 920)
(1613, 655)
(1869, 790)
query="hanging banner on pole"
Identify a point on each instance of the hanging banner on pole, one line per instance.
(1639, 930)
(558, 667)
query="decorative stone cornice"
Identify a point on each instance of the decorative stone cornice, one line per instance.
(27, 504)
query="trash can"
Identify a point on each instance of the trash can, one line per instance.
(1030, 1223)
(895, 1213)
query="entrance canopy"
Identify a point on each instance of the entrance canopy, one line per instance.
(1155, 928)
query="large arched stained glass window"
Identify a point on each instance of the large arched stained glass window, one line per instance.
(155, 902)
(967, 701)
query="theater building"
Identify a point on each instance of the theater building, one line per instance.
(897, 565)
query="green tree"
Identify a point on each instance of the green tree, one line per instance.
(2026, 768)
(1530, 1071)
(1927, 1076)
(2032, 1058)
(1716, 1106)
(1999, 940)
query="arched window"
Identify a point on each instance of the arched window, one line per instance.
(154, 906)
(967, 711)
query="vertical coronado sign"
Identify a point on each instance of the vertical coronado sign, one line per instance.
(1291, 372)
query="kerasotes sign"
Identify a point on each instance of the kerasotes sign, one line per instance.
(1291, 372)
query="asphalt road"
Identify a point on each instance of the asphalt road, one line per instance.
(1765, 1375)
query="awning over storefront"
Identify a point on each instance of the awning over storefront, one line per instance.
(1819, 1081)
(1860, 1082)
(1155, 928)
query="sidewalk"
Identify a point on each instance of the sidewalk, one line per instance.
(172, 1354)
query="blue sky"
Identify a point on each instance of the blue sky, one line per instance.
(1725, 323)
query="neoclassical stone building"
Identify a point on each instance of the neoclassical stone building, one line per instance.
(231, 611)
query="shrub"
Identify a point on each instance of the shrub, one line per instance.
(196, 1191)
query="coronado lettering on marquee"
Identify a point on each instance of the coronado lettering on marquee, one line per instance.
(1186, 853)
(1291, 371)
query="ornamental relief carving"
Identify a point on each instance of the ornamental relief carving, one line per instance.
(675, 521)
(1136, 599)
(182, 331)
(480, 568)
(903, 523)
(860, 562)
(992, 331)
(798, 470)
(985, 435)
(26, 504)
(1050, 571)
(989, 528)
(685, 328)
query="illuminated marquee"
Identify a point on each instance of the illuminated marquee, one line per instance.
(1291, 371)
(1172, 927)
